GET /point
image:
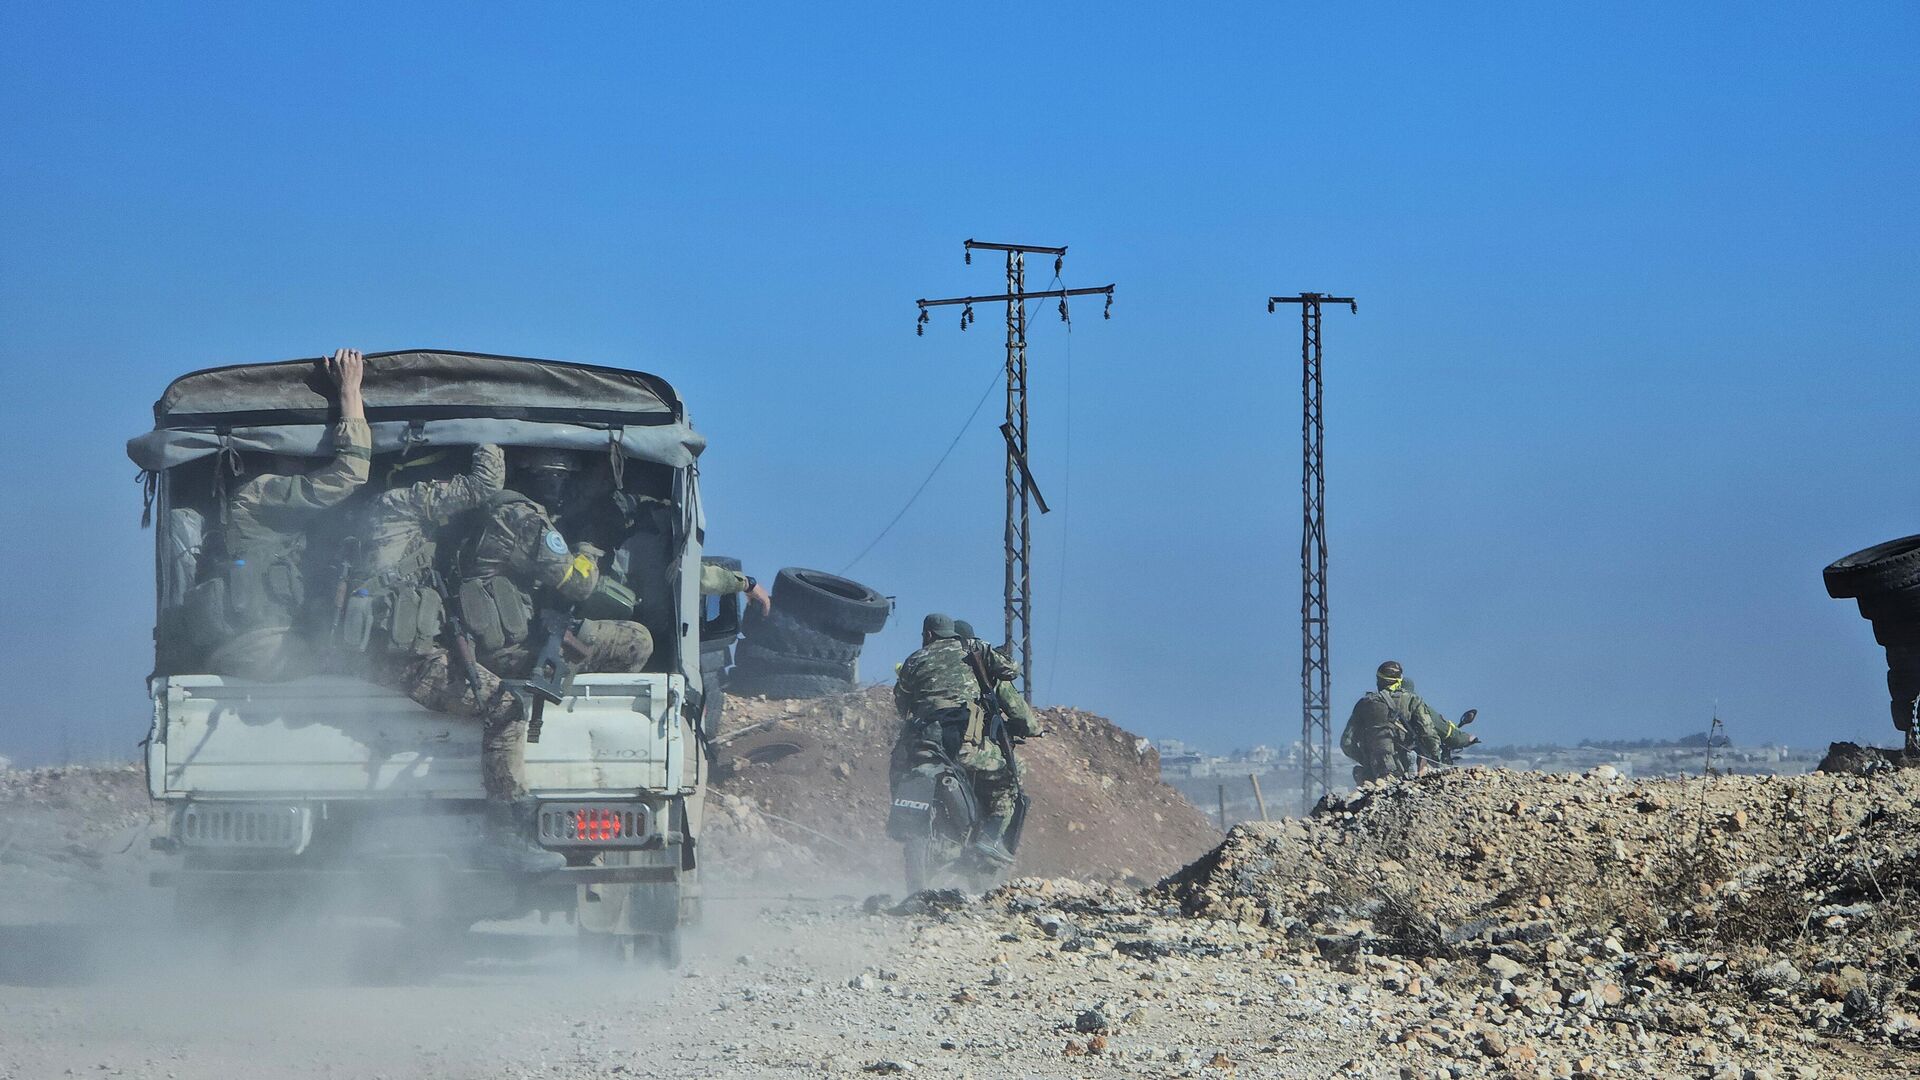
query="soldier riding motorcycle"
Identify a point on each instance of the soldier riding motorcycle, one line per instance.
(957, 807)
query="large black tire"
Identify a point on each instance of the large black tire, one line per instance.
(830, 602)
(1878, 569)
(780, 632)
(1894, 605)
(756, 661)
(791, 686)
(1897, 633)
(781, 749)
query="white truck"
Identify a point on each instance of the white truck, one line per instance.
(331, 789)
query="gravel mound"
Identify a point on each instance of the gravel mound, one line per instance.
(1663, 904)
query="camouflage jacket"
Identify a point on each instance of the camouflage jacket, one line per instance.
(938, 676)
(720, 581)
(397, 537)
(269, 514)
(264, 536)
(519, 547)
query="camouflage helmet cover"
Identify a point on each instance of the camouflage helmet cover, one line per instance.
(1389, 673)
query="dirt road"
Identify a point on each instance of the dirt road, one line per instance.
(769, 989)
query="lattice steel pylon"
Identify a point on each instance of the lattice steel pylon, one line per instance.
(1316, 677)
(1022, 492)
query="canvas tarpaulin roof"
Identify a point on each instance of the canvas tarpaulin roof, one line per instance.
(421, 398)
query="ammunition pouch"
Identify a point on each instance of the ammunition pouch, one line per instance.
(498, 613)
(609, 600)
(357, 619)
(415, 618)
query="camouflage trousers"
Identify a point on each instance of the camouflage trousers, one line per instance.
(440, 682)
(994, 784)
(611, 644)
(267, 653)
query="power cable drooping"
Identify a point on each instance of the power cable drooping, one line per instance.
(944, 455)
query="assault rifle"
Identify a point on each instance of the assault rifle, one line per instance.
(462, 641)
(547, 684)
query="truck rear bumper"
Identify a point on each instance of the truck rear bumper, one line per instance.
(311, 881)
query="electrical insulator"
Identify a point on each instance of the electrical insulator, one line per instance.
(1063, 309)
(1269, 307)
(969, 256)
(1058, 262)
(1107, 312)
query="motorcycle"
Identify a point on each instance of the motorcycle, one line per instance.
(937, 817)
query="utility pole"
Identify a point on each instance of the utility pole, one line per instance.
(1316, 678)
(1021, 489)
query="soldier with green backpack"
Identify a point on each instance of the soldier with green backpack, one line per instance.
(1394, 732)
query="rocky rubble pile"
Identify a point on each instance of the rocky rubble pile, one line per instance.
(1725, 916)
(812, 775)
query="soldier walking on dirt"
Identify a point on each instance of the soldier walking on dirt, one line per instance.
(939, 696)
(254, 596)
(1393, 732)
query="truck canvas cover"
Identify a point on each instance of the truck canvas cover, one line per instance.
(420, 397)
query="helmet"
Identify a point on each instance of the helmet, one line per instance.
(540, 457)
(937, 626)
(542, 474)
(963, 628)
(1388, 673)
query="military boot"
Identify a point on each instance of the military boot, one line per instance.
(509, 841)
(991, 843)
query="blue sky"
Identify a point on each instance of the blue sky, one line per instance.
(1634, 357)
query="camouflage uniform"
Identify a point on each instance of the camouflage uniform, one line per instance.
(264, 541)
(937, 687)
(1388, 727)
(398, 546)
(519, 560)
(720, 581)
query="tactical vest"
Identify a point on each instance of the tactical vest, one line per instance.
(496, 610)
(240, 592)
(395, 608)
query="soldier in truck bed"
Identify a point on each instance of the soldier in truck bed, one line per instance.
(247, 609)
(393, 626)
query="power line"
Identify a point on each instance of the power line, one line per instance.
(944, 455)
(1022, 492)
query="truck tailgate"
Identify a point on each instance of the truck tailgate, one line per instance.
(334, 737)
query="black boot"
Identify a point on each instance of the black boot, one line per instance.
(509, 842)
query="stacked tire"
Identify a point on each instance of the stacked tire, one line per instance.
(808, 645)
(1885, 581)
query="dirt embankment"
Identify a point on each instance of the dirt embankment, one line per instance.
(808, 785)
